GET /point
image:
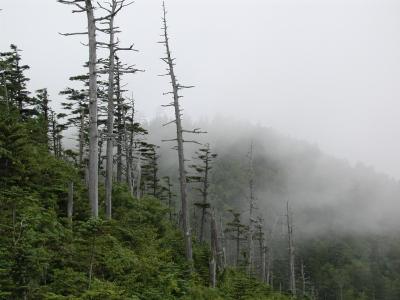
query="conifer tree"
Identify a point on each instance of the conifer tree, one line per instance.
(14, 82)
(77, 113)
(42, 101)
(167, 195)
(205, 156)
(237, 232)
(150, 168)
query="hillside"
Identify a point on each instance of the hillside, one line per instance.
(45, 255)
(99, 203)
(344, 216)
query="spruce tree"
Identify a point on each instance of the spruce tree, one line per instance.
(202, 177)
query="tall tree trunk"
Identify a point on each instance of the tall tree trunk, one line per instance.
(169, 198)
(128, 151)
(179, 138)
(110, 116)
(205, 196)
(268, 252)
(70, 205)
(292, 275)
(139, 175)
(251, 211)
(93, 130)
(263, 260)
(237, 247)
(119, 123)
(53, 133)
(91, 260)
(214, 251)
(6, 92)
(223, 246)
(155, 179)
(303, 279)
(81, 135)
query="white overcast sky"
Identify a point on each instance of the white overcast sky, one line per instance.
(326, 71)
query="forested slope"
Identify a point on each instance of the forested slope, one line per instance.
(45, 255)
(345, 215)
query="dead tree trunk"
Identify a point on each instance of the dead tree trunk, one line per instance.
(303, 279)
(205, 196)
(129, 149)
(251, 212)
(110, 112)
(268, 267)
(138, 175)
(262, 251)
(169, 197)
(119, 122)
(6, 92)
(214, 265)
(54, 132)
(93, 129)
(81, 135)
(179, 139)
(70, 206)
(292, 275)
(223, 246)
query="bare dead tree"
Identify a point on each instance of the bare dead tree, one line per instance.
(70, 206)
(222, 253)
(110, 110)
(269, 252)
(303, 279)
(252, 207)
(176, 87)
(129, 136)
(214, 265)
(114, 7)
(292, 275)
(87, 6)
(259, 236)
(138, 175)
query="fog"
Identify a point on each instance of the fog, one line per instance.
(325, 71)
(324, 193)
(313, 83)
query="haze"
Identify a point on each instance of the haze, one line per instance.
(326, 71)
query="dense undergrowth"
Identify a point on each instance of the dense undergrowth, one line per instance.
(137, 255)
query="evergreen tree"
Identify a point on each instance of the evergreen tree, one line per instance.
(205, 158)
(236, 232)
(15, 81)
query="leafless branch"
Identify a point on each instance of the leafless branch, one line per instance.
(170, 140)
(168, 123)
(73, 33)
(191, 141)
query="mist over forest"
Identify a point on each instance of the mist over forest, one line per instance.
(326, 193)
(272, 176)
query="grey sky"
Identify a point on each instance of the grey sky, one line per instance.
(327, 71)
